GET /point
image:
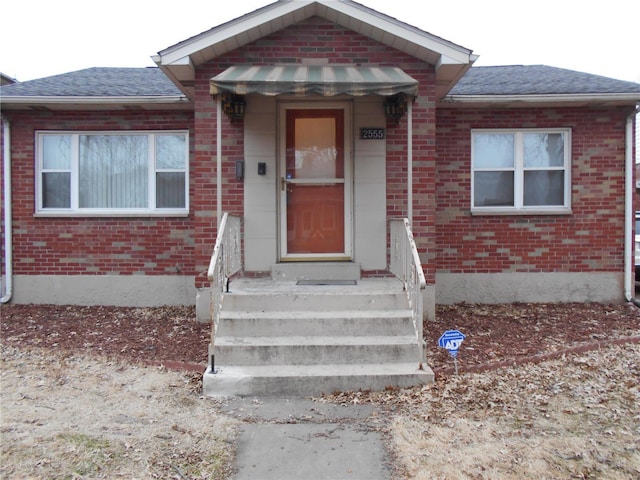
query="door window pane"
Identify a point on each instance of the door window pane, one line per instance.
(314, 152)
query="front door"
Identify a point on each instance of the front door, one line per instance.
(314, 186)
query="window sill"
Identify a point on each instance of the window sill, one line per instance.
(120, 214)
(519, 212)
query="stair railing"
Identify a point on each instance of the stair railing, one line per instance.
(225, 261)
(406, 265)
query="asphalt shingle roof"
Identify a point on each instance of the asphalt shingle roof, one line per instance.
(537, 80)
(97, 82)
(502, 80)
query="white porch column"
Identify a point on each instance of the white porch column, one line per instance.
(410, 161)
(219, 160)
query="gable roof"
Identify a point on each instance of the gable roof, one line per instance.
(525, 84)
(97, 87)
(179, 62)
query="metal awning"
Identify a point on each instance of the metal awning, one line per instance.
(324, 80)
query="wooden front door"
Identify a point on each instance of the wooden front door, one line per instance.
(314, 190)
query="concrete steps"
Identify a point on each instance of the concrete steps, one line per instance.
(279, 338)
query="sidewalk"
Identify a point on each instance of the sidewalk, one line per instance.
(298, 439)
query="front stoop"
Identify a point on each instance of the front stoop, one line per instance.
(281, 338)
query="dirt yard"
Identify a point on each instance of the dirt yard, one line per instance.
(544, 391)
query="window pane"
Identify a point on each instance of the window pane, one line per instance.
(543, 150)
(56, 190)
(56, 154)
(493, 150)
(493, 189)
(316, 149)
(170, 151)
(544, 188)
(113, 171)
(170, 190)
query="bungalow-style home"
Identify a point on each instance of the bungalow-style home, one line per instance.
(317, 156)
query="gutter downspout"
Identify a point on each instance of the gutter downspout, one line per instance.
(629, 284)
(8, 227)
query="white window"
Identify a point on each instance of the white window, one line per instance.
(107, 173)
(521, 171)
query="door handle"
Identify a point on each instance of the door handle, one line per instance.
(283, 184)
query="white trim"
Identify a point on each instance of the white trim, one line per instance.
(630, 98)
(629, 244)
(122, 100)
(518, 170)
(347, 108)
(74, 209)
(7, 284)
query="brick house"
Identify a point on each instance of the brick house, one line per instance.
(317, 122)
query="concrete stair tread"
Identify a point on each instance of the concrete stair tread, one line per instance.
(319, 315)
(320, 370)
(311, 340)
(307, 380)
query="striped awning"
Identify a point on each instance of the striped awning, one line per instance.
(304, 80)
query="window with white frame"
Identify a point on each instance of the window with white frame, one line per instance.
(521, 170)
(112, 172)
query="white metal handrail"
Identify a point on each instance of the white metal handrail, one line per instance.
(406, 265)
(225, 261)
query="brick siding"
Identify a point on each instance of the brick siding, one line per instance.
(97, 245)
(589, 239)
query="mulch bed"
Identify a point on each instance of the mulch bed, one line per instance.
(495, 334)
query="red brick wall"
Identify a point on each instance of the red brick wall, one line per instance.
(318, 38)
(73, 246)
(589, 239)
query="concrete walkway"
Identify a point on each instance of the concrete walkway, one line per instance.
(298, 439)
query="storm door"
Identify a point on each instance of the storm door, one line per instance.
(315, 189)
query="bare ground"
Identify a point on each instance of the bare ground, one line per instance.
(545, 391)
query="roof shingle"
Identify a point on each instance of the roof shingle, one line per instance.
(97, 82)
(151, 81)
(537, 80)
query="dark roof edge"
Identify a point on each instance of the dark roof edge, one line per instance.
(578, 98)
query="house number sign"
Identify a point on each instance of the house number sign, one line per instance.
(372, 133)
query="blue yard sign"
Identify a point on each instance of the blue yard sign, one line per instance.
(451, 341)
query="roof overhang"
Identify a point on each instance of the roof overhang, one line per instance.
(542, 100)
(180, 61)
(178, 102)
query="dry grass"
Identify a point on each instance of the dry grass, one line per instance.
(66, 417)
(575, 418)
